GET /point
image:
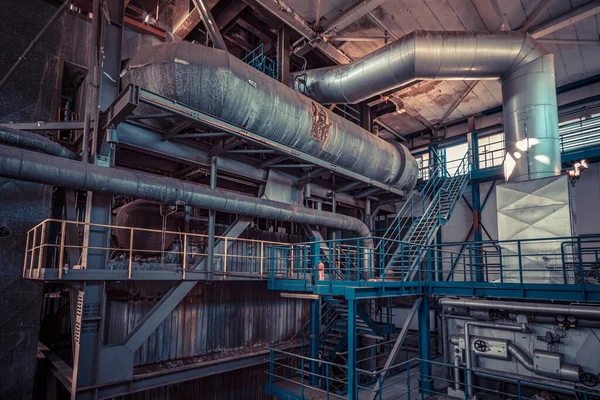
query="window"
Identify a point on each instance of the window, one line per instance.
(454, 155)
(491, 150)
(423, 165)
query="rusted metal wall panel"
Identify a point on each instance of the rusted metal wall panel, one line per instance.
(213, 317)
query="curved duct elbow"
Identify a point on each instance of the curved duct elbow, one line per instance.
(547, 364)
(214, 82)
(524, 67)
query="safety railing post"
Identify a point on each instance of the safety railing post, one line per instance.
(520, 256)
(26, 255)
(130, 264)
(261, 266)
(31, 263)
(184, 261)
(61, 256)
(41, 250)
(581, 271)
(225, 246)
(271, 368)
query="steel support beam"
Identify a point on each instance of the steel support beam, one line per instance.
(350, 15)
(569, 18)
(352, 353)
(425, 376)
(88, 305)
(212, 215)
(288, 16)
(394, 352)
(315, 331)
(537, 10)
(283, 55)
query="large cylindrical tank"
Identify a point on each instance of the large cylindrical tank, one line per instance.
(217, 83)
(143, 214)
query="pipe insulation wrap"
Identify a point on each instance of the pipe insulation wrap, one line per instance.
(217, 83)
(41, 168)
(524, 67)
(34, 141)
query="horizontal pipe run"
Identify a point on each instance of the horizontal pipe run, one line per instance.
(35, 167)
(545, 308)
(34, 141)
(214, 82)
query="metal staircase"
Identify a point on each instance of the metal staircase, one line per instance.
(334, 335)
(421, 216)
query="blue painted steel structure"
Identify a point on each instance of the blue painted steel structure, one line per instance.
(476, 270)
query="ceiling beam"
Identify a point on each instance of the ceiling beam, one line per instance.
(351, 15)
(574, 42)
(504, 26)
(459, 100)
(229, 14)
(569, 18)
(539, 8)
(192, 20)
(256, 32)
(288, 16)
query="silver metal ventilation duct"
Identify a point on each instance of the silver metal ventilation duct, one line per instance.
(524, 67)
(219, 84)
(41, 168)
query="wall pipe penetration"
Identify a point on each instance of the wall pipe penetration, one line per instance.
(41, 168)
(524, 68)
(217, 83)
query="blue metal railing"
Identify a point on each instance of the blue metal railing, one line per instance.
(569, 265)
(257, 59)
(413, 379)
(575, 137)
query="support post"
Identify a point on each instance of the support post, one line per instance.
(476, 204)
(283, 55)
(425, 377)
(394, 352)
(88, 312)
(212, 217)
(352, 356)
(315, 328)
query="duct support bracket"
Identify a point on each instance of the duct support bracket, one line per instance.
(180, 110)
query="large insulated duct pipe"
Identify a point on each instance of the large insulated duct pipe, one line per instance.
(524, 67)
(34, 141)
(41, 168)
(219, 84)
(545, 308)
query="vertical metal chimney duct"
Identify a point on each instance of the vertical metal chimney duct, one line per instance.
(524, 67)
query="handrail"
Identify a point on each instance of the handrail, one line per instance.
(40, 241)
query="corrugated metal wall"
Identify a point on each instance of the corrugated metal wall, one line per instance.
(213, 317)
(244, 384)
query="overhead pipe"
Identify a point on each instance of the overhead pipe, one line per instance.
(211, 25)
(524, 68)
(33, 141)
(144, 140)
(217, 83)
(546, 308)
(41, 168)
